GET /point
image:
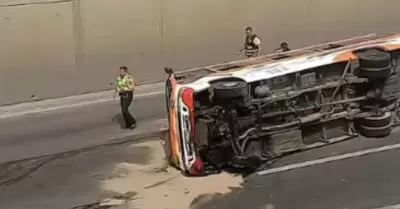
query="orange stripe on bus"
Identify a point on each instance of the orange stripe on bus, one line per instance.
(345, 56)
(172, 126)
(391, 47)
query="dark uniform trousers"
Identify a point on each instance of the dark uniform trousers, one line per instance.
(126, 100)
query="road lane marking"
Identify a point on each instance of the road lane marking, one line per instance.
(390, 207)
(149, 94)
(329, 159)
(79, 104)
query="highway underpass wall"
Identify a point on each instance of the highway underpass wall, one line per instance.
(54, 48)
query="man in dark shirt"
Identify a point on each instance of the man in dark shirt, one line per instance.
(283, 48)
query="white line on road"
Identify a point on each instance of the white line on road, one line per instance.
(80, 104)
(390, 207)
(329, 159)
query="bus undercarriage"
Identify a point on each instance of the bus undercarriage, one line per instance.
(246, 125)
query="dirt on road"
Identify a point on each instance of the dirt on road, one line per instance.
(155, 185)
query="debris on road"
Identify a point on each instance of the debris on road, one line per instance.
(159, 186)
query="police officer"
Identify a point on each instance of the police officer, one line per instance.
(125, 88)
(252, 44)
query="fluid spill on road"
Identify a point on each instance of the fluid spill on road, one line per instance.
(160, 186)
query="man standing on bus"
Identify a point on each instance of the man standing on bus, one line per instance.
(252, 44)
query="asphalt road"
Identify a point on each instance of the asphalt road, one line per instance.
(65, 182)
(44, 133)
(74, 178)
(360, 182)
(68, 181)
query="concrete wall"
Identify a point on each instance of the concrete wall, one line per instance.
(76, 46)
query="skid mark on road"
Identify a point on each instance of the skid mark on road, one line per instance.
(14, 171)
(330, 159)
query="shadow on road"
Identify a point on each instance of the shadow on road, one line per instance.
(230, 200)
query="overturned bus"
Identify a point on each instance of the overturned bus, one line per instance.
(249, 112)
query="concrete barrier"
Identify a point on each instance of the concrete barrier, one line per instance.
(62, 48)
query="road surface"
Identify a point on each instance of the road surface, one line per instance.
(64, 182)
(45, 133)
(358, 182)
(351, 181)
(73, 179)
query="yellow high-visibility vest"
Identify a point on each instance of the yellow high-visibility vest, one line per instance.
(123, 83)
